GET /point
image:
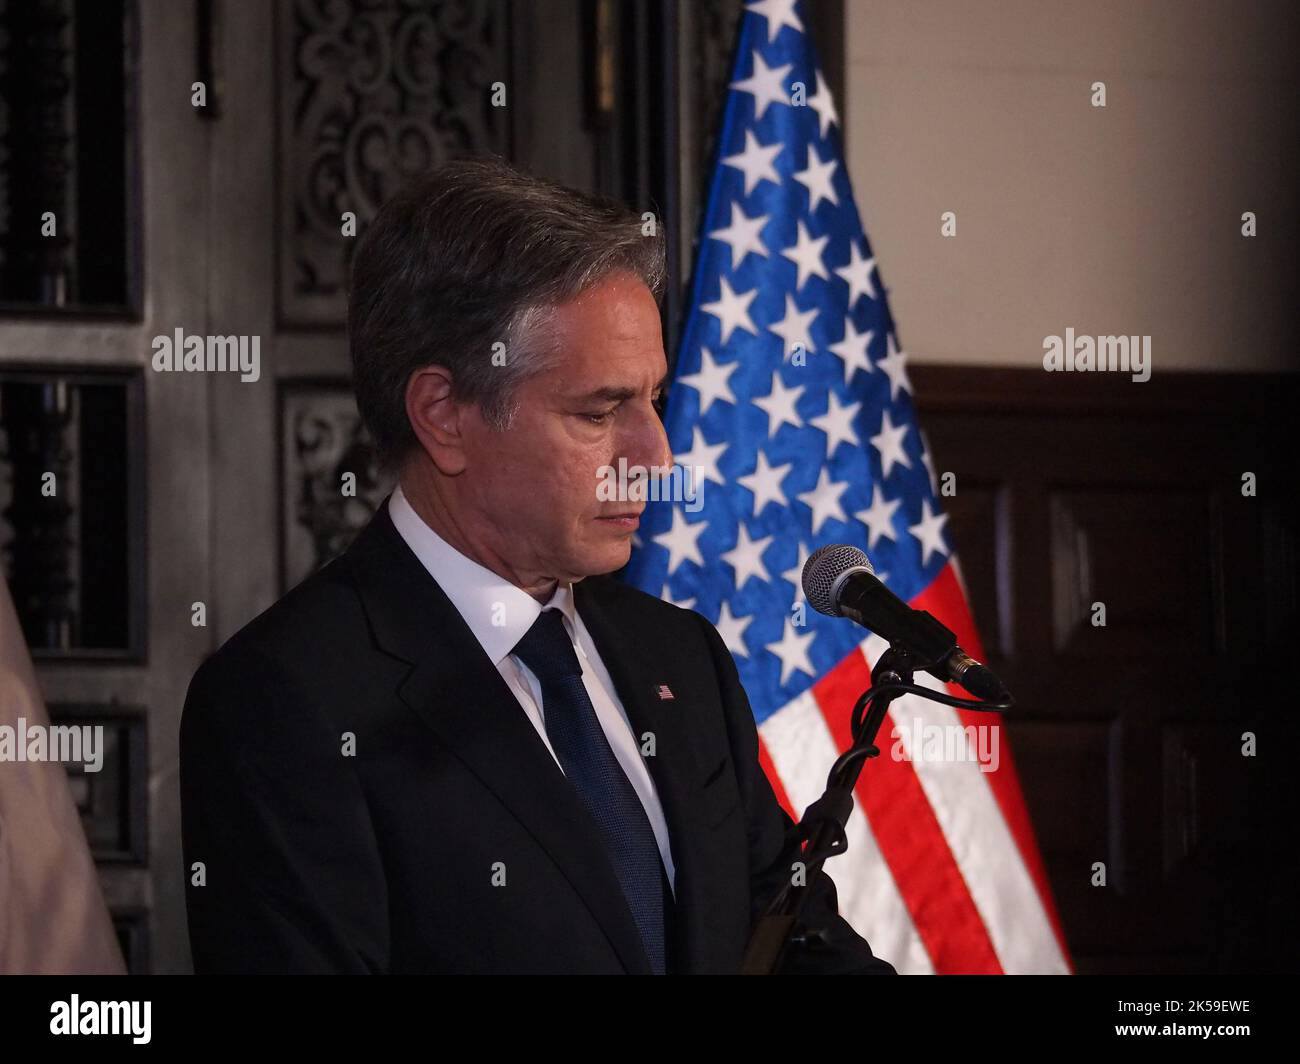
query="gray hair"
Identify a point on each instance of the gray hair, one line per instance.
(474, 253)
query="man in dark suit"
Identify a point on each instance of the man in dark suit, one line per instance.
(460, 747)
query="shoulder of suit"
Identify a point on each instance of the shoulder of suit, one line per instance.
(311, 619)
(626, 597)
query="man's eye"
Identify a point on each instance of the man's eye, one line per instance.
(599, 419)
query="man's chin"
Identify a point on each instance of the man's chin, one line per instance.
(607, 558)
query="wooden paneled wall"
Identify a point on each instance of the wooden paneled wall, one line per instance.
(1079, 489)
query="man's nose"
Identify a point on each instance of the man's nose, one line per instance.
(651, 445)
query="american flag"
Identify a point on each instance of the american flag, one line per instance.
(792, 401)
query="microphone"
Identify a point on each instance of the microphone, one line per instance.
(838, 581)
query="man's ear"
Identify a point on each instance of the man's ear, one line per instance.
(436, 418)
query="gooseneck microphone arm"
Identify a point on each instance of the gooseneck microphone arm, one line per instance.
(822, 830)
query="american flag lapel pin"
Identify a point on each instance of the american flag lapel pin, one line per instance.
(664, 692)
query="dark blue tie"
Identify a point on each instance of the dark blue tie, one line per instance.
(589, 763)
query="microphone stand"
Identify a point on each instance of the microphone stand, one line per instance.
(821, 831)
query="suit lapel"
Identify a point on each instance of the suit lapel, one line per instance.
(457, 691)
(674, 768)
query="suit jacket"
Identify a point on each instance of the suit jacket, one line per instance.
(365, 794)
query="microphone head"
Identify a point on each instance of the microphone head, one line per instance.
(822, 572)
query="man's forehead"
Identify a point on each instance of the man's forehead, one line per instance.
(609, 301)
(617, 334)
(610, 393)
(628, 371)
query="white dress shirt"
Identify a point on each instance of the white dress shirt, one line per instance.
(499, 614)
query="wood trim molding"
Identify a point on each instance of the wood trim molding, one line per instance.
(1024, 389)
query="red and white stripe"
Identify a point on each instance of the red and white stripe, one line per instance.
(942, 872)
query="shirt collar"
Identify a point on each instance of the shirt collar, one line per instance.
(497, 612)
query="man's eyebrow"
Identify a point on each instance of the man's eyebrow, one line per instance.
(617, 395)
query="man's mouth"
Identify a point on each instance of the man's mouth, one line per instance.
(628, 519)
